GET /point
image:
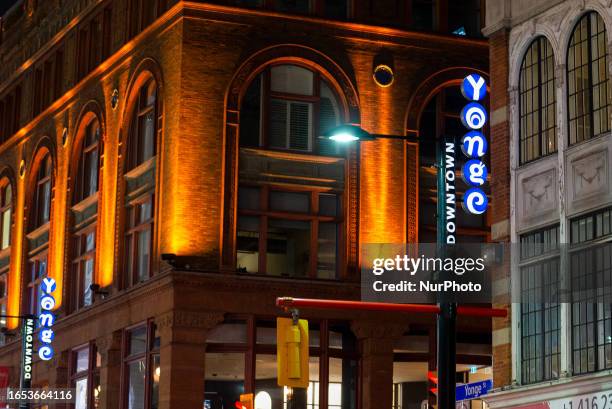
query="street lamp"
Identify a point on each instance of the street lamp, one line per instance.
(446, 321)
(353, 133)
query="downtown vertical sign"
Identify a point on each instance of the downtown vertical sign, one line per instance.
(474, 171)
(474, 144)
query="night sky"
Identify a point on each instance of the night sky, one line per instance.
(5, 5)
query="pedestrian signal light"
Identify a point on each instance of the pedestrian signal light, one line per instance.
(292, 352)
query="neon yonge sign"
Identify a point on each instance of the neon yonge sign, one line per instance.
(474, 144)
(46, 319)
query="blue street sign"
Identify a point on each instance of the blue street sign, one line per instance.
(473, 390)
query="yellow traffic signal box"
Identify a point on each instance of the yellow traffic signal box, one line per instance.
(246, 401)
(292, 352)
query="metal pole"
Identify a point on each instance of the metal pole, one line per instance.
(446, 322)
(289, 303)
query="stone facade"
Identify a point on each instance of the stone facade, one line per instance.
(572, 182)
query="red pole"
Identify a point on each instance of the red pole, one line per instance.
(288, 302)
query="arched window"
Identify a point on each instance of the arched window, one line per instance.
(587, 79)
(141, 143)
(84, 215)
(538, 131)
(140, 171)
(287, 107)
(290, 220)
(38, 233)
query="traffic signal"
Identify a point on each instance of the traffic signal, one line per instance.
(292, 352)
(246, 401)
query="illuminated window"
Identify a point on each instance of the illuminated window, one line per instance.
(85, 376)
(138, 240)
(231, 345)
(286, 108)
(587, 79)
(141, 367)
(6, 200)
(283, 233)
(537, 102)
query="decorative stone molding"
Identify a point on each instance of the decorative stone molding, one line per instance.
(588, 175)
(188, 319)
(537, 193)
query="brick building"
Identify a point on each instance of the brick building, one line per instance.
(160, 160)
(550, 132)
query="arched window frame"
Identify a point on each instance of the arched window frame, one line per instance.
(594, 119)
(311, 99)
(38, 225)
(137, 213)
(537, 102)
(320, 223)
(83, 233)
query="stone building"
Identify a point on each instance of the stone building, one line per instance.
(160, 160)
(550, 132)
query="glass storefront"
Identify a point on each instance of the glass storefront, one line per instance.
(241, 358)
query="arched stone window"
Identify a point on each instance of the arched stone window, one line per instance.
(587, 80)
(84, 211)
(139, 181)
(38, 230)
(290, 219)
(288, 107)
(538, 130)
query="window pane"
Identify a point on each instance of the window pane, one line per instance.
(138, 340)
(7, 195)
(91, 173)
(136, 384)
(145, 211)
(328, 250)
(288, 248)
(291, 79)
(248, 198)
(300, 129)
(328, 205)
(82, 360)
(290, 201)
(250, 115)
(148, 136)
(224, 374)
(6, 228)
(46, 202)
(144, 254)
(247, 245)
(87, 282)
(155, 384)
(277, 137)
(81, 394)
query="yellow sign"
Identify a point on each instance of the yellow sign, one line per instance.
(292, 353)
(246, 401)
